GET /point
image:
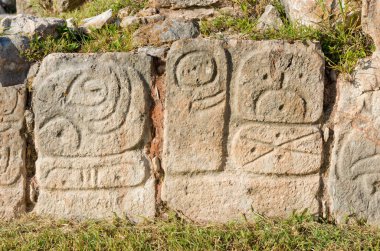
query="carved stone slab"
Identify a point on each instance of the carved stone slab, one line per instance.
(241, 128)
(195, 106)
(12, 151)
(355, 172)
(91, 114)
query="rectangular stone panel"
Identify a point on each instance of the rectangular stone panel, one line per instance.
(230, 196)
(12, 151)
(277, 149)
(241, 128)
(275, 81)
(355, 169)
(92, 124)
(195, 106)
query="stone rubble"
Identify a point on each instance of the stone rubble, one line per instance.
(28, 25)
(165, 31)
(270, 19)
(96, 22)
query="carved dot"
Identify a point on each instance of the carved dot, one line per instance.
(300, 75)
(278, 135)
(281, 107)
(59, 134)
(265, 77)
(253, 149)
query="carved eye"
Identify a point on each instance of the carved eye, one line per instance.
(196, 69)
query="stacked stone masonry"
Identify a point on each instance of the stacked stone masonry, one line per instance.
(243, 134)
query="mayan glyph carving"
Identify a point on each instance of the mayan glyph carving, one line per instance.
(279, 150)
(196, 93)
(355, 175)
(355, 168)
(270, 91)
(91, 128)
(12, 151)
(243, 142)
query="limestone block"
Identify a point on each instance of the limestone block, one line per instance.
(277, 149)
(14, 68)
(30, 25)
(241, 128)
(278, 82)
(195, 106)
(182, 4)
(92, 123)
(12, 151)
(355, 172)
(226, 197)
(308, 12)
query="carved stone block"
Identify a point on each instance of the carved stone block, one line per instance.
(355, 171)
(241, 128)
(12, 151)
(195, 106)
(92, 123)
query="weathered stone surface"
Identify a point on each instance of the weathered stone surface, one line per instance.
(12, 151)
(370, 19)
(198, 14)
(31, 25)
(270, 19)
(355, 174)
(91, 115)
(278, 82)
(97, 22)
(274, 149)
(182, 4)
(166, 31)
(219, 131)
(130, 21)
(14, 68)
(231, 196)
(308, 12)
(195, 106)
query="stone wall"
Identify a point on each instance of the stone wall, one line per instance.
(216, 130)
(242, 132)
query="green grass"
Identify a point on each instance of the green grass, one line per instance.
(342, 39)
(300, 232)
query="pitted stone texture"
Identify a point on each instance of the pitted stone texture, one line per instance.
(277, 82)
(227, 197)
(195, 106)
(221, 102)
(14, 68)
(12, 151)
(182, 4)
(355, 171)
(166, 31)
(308, 12)
(30, 25)
(91, 114)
